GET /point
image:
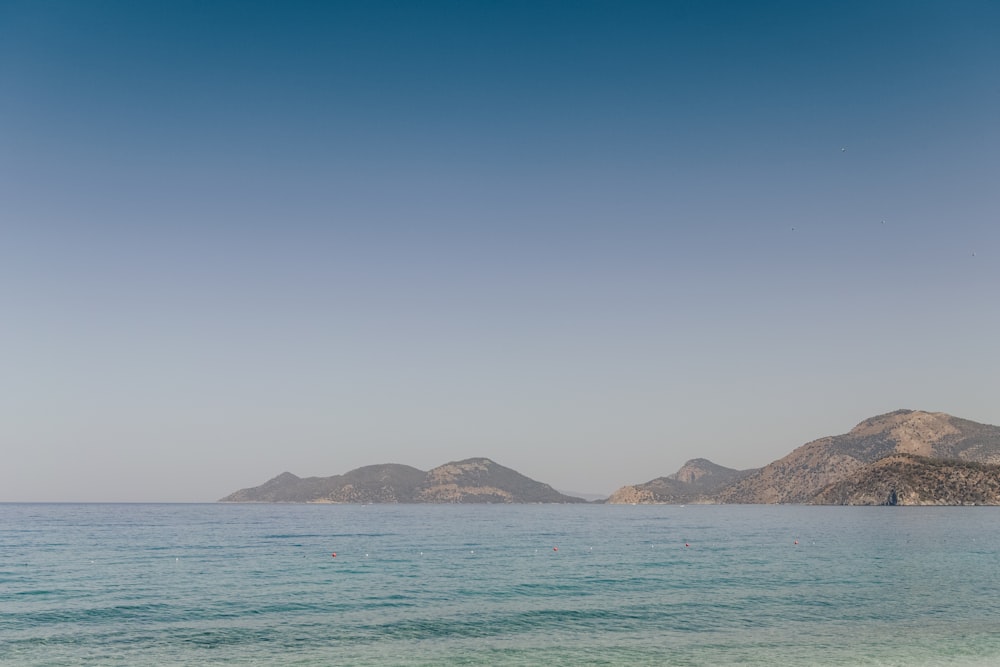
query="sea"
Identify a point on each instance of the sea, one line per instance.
(258, 584)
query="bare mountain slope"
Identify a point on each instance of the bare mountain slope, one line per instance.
(905, 479)
(811, 468)
(903, 457)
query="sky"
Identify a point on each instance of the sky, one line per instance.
(588, 240)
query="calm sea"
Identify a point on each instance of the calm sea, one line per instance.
(498, 585)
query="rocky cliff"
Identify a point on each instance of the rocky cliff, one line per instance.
(477, 480)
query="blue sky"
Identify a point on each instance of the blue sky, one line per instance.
(589, 240)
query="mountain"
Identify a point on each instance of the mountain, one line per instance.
(803, 475)
(906, 457)
(697, 481)
(477, 480)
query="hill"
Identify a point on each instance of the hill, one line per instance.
(905, 457)
(697, 481)
(477, 480)
(905, 479)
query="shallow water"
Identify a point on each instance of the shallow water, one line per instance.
(498, 584)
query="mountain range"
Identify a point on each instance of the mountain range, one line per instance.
(906, 457)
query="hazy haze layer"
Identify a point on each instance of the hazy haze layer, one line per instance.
(587, 240)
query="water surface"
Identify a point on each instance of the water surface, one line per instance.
(105, 584)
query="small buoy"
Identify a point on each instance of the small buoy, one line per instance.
(333, 555)
(686, 544)
(796, 541)
(555, 548)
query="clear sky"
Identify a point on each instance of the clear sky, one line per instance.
(588, 240)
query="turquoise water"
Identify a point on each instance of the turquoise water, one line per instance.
(498, 585)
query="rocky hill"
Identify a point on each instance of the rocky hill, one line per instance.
(905, 457)
(477, 480)
(905, 479)
(697, 481)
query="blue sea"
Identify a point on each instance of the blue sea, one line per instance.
(219, 584)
